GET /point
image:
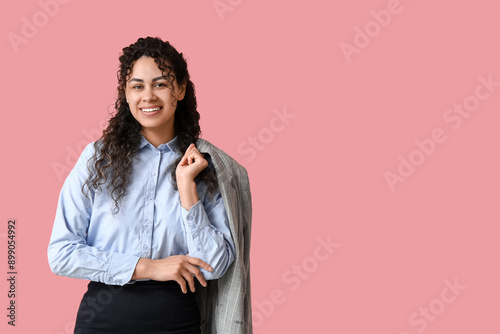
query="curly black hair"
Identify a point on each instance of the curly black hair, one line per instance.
(118, 145)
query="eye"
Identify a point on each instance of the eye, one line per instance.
(136, 87)
(161, 85)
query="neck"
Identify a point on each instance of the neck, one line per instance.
(156, 138)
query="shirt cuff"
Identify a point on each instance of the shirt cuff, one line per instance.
(194, 218)
(121, 268)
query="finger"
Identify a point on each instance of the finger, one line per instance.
(190, 148)
(199, 262)
(197, 158)
(201, 279)
(194, 149)
(182, 283)
(186, 154)
(197, 273)
(200, 157)
(183, 161)
(187, 276)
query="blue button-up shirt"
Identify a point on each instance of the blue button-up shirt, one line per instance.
(91, 241)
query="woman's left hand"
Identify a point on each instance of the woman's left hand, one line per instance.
(191, 164)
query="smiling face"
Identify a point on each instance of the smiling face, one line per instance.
(151, 100)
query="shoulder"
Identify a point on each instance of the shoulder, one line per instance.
(221, 159)
(87, 156)
(80, 171)
(91, 148)
(89, 151)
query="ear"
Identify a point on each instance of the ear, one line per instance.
(182, 91)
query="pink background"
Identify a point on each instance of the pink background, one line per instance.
(318, 175)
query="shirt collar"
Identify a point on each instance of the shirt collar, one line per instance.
(170, 146)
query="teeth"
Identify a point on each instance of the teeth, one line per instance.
(151, 109)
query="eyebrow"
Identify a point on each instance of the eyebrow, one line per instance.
(155, 79)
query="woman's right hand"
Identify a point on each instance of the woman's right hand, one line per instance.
(173, 268)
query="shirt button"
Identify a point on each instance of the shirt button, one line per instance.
(198, 249)
(148, 221)
(144, 247)
(153, 173)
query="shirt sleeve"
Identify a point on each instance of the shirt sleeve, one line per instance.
(208, 235)
(68, 252)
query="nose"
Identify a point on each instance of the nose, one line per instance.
(148, 95)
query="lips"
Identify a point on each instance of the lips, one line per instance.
(150, 110)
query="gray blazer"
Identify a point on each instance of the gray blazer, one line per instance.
(225, 304)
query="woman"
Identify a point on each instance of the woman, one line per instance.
(159, 228)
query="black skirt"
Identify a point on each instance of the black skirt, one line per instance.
(145, 307)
